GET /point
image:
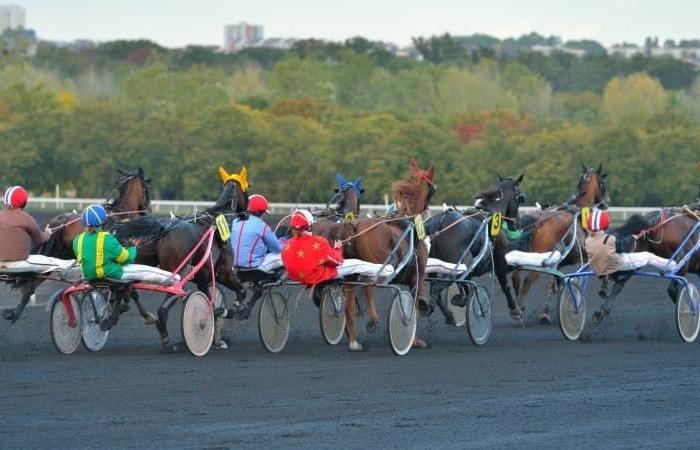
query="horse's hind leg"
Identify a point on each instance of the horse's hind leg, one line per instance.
(351, 317)
(148, 317)
(553, 288)
(372, 308)
(27, 289)
(606, 307)
(162, 324)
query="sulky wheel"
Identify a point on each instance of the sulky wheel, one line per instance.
(273, 322)
(688, 313)
(403, 320)
(94, 308)
(478, 309)
(197, 323)
(65, 335)
(572, 310)
(332, 314)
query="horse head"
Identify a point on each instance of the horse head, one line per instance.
(504, 198)
(591, 189)
(346, 200)
(131, 193)
(234, 193)
(412, 196)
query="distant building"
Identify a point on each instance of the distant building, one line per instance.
(279, 43)
(12, 17)
(547, 50)
(242, 35)
(625, 50)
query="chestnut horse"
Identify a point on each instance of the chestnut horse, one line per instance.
(662, 232)
(450, 244)
(131, 197)
(372, 239)
(549, 226)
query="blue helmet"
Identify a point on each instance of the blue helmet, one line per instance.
(94, 216)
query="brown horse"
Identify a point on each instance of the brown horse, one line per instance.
(171, 240)
(372, 239)
(662, 232)
(129, 198)
(549, 226)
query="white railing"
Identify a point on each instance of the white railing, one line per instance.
(618, 213)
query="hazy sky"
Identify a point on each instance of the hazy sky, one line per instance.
(181, 22)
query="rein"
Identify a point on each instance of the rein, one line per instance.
(79, 218)
(461, 219)
(373, 226)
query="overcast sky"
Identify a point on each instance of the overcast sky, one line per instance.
(180, 22)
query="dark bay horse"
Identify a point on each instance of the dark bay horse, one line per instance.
(549, 226)
(372, 239)
(661, 233)
(130, 198)
(169, 241)
(450, 244)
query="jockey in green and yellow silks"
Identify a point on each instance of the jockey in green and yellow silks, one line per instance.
(99, 253)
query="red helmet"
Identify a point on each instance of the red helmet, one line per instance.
(16, 197)
(301, 219)
(599, 220)
(258, 203)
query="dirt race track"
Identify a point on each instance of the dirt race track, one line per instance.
(630, 382)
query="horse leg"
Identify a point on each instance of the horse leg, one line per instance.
(553, 288)
(373, 322)
(351, 317)
(501, 270)
(436, 290)
(120, 295)
(607, 304)
(148, 317)
(162, 324)
(27, 289)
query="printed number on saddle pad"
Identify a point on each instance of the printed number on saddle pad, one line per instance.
(222, 226)
(585, 214)
(420, 226)
(495, 227)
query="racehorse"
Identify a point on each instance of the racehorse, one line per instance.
(171, 240)
(548, 227)
(661, 233)
(372, 239)
(449, 245)
(130, 197)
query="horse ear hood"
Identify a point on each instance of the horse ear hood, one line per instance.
(223, 175)
(340, 180)
(140, 172)
(358, 184)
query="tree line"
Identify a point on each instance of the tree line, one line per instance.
(297, 117)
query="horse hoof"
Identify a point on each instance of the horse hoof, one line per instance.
(545, 319)
(355, 347)
(425, 308)
(168, 348)
(9, 314)
(150, 319)
(598, 316)
(420, 344)
(371, 326)
(106, 324)
(516, 313)
(450, 320)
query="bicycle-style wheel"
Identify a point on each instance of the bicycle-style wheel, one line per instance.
(403, 321)
(572, 310)
(65, 335)
(479, 324)
(94, 308)
(332, 314)
(197, 323)
(688, 313)
(273, 322)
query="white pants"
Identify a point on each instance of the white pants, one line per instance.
(139, 272)
(271, 262)
(359, 267)
(633, 261)
(36, 264)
